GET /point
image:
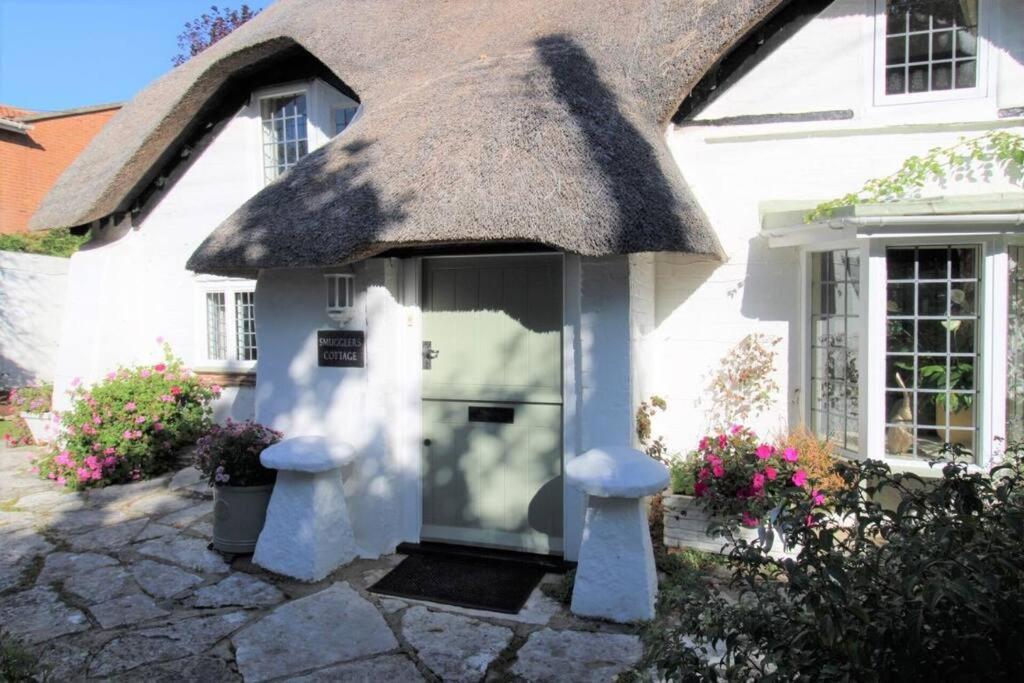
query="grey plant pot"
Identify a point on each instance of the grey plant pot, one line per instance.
(238, 516)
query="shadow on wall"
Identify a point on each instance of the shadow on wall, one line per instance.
(32, 290)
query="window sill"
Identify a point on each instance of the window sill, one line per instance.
(228, 376)
(921, 468)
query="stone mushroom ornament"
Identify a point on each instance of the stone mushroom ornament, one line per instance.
(616, 578)
(307, 534)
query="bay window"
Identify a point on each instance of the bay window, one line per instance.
(908, 342)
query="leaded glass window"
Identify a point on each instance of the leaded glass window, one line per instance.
(285, 138)
(216, 327)
(1015, 349)
(930, 45)
(343, 117)
(835, 338)
(245, 325)
(932, 330)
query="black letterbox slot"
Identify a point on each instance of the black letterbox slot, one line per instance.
(492, 414)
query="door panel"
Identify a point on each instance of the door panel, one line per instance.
(492, 413)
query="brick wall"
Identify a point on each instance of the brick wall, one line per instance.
(30, 164)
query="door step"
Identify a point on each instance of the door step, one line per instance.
(554, 564)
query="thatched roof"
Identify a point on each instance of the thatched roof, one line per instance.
(483, 120)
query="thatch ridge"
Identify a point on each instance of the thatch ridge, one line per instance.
(484, 120)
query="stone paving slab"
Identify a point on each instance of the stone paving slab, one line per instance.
(162, 580)
(595, 657)
(187, 552)
(101, 584)
(239, 590)
(456, 648)
(127, 609)
(37, 615)
(387, 668)
(61, 565)
(332, 626)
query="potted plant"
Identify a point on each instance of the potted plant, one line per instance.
(733, 480)
(229, 456)
(33, 404)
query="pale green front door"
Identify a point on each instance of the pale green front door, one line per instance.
(492, 401)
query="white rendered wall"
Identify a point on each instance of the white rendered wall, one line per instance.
(130, 286)
(32, 290)
(703, 307)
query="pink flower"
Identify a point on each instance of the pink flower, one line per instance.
(92, 462)
(61, 481)
(76, 381)
(764, 451)
(809, 520)
(160, 368)
(718, 470)
(158, 427)
(216, 389)
(700, 489)
(749, 520)
(129, 406)
(817, 497)
(704, 474)
(771, 473)
(83, 474)
(175, 391)
(791, 455)
(723, 441)
(167, 398)
(109, 451)
(159, 340)
(109, 461)
(35, 470)
(704, 443)
(140, 419)
(800, 478)
(127, 434)
(758, 482)
(144, 374)
(137, 434)
(736, 429)
(111, 375)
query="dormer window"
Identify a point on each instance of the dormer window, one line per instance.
(929, 49)
(285, 133)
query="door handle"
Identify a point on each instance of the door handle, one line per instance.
(429, 354)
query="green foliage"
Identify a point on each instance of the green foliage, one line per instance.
(1002, 149)
(929, 587)
(743, 385)
(15, 432)
(32, 399)
(683, 476)
(129, 426)
(654, 447)
(17, 665)
(58, 242)
(230, 455)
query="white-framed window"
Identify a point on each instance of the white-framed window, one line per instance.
(1015, 345)
(929, 50)
(934, 325)
(340, 296)
(932, 350)
(227, 326)
(835, 326)
(285, 132)
(342, 117)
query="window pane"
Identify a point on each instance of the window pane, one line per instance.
(834, 339)
(284, 132)
(927, 35)
(245, 325)
(216, 331)
(931, 357)
(1015, 349)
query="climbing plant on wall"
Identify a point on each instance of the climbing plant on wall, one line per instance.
(998, 149)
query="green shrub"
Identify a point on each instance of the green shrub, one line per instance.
(129, 426)
(17, 665)
(230, 455)
(32, 399)
(682, 477)
(931, 589)
(58, 242)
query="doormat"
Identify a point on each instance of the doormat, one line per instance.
(477, 583)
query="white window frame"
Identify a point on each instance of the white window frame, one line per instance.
(229, 287)
(340, 286)
(979, 91)
(288, 90)
(993, 301)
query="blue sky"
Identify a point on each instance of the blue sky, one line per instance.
(59, 54)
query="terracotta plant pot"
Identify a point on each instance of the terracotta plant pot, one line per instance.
(40, 425)
(238, 516)
(686, 526)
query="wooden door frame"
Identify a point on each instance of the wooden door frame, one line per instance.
(409, 443)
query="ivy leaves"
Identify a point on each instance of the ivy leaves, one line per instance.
(998, 148)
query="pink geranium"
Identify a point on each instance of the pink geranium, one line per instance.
(130, 407)
(771, 473)
(749, 520)
(160, 368)
(758, 482)
(817, 497)
(800, 478)
(764, 451)
(790, 455)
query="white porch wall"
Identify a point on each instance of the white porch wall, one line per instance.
(703, 308)
(128, 289)
(32, 293)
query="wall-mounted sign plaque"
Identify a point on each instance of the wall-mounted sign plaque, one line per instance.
(341, 348)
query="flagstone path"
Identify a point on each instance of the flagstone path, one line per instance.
(118, 584)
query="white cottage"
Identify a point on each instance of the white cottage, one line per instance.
(469, 238)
